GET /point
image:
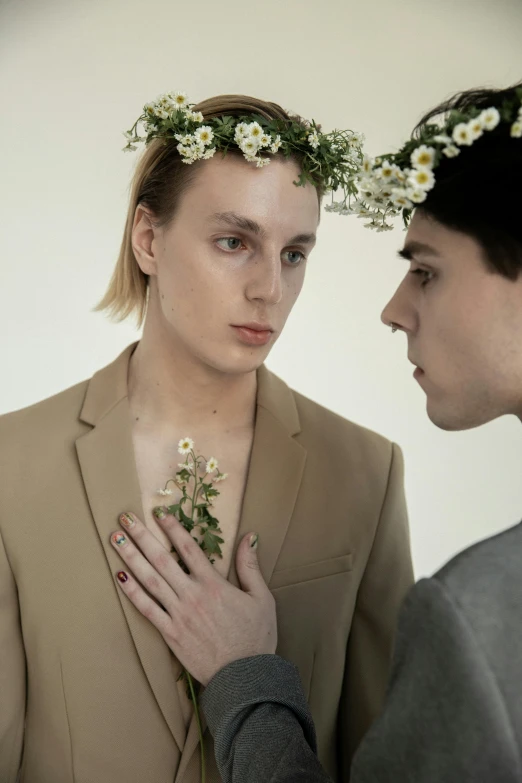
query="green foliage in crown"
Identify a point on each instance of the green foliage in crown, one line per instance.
(329, 161)
(394, 184)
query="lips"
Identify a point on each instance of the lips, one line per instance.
(253, 333)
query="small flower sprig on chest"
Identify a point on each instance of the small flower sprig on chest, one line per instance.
(195, 479)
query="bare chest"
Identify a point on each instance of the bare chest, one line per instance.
(158, 461)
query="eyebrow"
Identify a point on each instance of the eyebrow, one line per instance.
(236, 220)
(411, 249)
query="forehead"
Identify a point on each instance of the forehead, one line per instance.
(267, 195)
(427, 238)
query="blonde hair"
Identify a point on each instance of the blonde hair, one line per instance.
(158, 183)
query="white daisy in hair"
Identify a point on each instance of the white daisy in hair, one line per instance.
(417, 195)
(399, 199)
(476, 128)
(516, 130)
(462, 135)
(421, 178)
(205, 134)
(451, 151)
(490, 118)
(423, 157)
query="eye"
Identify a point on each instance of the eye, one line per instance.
(425, 275)
(293, 257)
(229, 243)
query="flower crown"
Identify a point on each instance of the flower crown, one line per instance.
(395, 183)
(330, 161)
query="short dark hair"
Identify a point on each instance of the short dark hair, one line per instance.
(479, 192)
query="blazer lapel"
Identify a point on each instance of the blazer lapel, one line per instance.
(274, 478)
(107, 463)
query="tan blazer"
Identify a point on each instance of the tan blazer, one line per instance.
(88, 688)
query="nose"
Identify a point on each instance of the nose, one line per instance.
(264, 281)
(399, 311)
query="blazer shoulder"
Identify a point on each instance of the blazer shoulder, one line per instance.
(321, 426)
(54, 416)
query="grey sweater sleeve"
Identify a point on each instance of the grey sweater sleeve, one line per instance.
(263, 731)
(444, 718)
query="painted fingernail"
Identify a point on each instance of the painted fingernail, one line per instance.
(127, 520)
(119, 539)
(122, 576)
(159, 512)
(254, 539)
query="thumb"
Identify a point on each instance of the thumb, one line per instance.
(247, 566)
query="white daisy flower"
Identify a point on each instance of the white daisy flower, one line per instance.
(204, 135)
(185, 466)
(255, 131)
(241, 132)
(421, 178)
(209, 153)
(386, 171)
(276, 145)
(400, 199)
(212, 465)
(313, 139)
(220, 477)
(195, 116)
(367, 164)
(451, 151)
(462, 135)
(260, 162)
(265, 140)
(417, 195)
(179, 99)
(516, 130)
(162, 112)
(423, 157)
(184, 150)
(476, 129)
(150, 109)
(249, 146)
(490, 118)
(185, 445)
(165, 492)
(442, 138)
(187, 140)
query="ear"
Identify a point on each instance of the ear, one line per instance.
(143, 235)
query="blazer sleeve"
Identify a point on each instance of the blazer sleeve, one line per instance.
(445, 718)
(386, 580)
(12, 675)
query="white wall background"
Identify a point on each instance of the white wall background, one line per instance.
(74, 74)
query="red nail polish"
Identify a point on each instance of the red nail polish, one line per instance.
(122, 576)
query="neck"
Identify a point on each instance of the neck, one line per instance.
(172, 389)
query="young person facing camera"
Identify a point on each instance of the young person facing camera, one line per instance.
(454, 706)
(213, 260)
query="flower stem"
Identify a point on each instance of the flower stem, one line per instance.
(196, 712)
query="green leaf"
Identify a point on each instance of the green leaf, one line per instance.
(212, 543)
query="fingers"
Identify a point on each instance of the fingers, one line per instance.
(247, 566)
(147, 573)
(189, 551)
(143, 602)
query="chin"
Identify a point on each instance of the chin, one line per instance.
(453, 420)
(240, 362)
